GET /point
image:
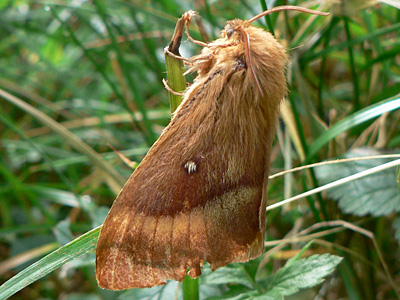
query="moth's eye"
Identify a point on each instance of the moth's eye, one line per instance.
(229, 32)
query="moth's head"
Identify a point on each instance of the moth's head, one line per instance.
(231, 29)
(252, 40)
(262, 58)
(250, 57)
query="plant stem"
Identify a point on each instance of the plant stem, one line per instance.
(190, 288)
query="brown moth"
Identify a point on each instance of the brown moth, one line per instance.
(200, 193)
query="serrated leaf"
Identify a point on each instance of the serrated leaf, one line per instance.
(376, 194)
(303, 273)
(234, 295)
(164, 292)
(231, 274)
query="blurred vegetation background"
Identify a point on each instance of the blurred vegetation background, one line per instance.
(78, 75)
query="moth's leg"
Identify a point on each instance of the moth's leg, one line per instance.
(200, 43)
(167, 87)
(185, 60)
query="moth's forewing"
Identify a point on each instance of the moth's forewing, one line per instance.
(200, 193)
(166, 219)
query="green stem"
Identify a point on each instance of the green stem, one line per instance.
(176, 80)
(190, 288)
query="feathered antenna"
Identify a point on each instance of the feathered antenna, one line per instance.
(265, 13)
(287, 7)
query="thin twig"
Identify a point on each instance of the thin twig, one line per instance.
(338, 161)
(336, 183)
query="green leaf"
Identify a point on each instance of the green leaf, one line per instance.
(231, 274)
(164, 292)
(376, 194)
(50, 262)
(237, 295)
(302, 274)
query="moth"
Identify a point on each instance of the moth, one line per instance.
(200, 192)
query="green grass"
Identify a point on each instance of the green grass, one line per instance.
(75, 77)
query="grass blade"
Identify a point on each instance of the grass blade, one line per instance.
(50, 262)
(114, 179)
(353, 120)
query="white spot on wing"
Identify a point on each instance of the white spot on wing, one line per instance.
(190, 166)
